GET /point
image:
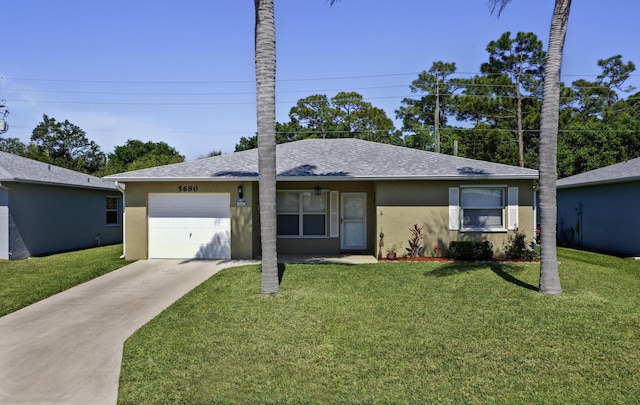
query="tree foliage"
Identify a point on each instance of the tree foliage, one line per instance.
(346, 115)
(13, 145)
(66, 145)
(135, 155)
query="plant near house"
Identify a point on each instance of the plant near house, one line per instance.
(468, 250)
(435, 252)
(415, 248)
(392, 251)
(516, 247)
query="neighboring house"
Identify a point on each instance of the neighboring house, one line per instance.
(47, 209)
(598, 210)
(333, 196)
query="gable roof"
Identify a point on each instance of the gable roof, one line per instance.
(15, 168)
(617, 173)
(333, 159)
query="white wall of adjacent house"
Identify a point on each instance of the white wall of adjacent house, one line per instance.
(189, 226)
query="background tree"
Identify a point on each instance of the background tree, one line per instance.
(419, 123)
(521, 59)
(506, 96)
(211, 154)
(13, 145)
(265, 43)
(66, 145)
(135, 155)
(287, 132)
(316, 114)
(346, 115)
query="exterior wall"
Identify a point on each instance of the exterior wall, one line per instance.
(401, 204)
(328, 245)
(46, 219)
(602, 218)
(4, 223)
(136, 215)
(392, 208)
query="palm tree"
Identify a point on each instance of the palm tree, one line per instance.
(265, 43)
(549, 279)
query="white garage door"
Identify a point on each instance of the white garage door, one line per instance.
(189, 226)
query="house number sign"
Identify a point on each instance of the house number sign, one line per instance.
(187, 189)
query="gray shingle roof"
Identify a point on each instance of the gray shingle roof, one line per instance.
(617, 173)
(18, 169)
(337, 159)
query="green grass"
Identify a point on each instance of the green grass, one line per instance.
(30, 280)
(401, 333)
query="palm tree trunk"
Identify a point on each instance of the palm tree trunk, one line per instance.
(549, 279)
(265, 37)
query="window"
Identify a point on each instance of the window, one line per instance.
(482, 208)
(113, 211)
(301, 213)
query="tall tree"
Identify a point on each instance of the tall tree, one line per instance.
(549, 278)
(549, 121)
(66, 145)
(423, 118)
(265, 50)
(520, 59)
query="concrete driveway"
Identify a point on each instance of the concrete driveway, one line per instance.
(67, 349)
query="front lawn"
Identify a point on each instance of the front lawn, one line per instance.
(26, 281)
(396, 333)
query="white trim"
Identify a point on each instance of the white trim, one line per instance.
(460, 207)
(512, 208)
(344, 222)
(334, 214)
(454, 208)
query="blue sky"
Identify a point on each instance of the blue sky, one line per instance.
(183, 72)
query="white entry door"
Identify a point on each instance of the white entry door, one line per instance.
(189, 226)
(353, 221)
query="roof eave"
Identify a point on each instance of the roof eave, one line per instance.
(599, 182)
(326, 178)
(90, 186)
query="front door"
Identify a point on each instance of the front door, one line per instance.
(353, 221)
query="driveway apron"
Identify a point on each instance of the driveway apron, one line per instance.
(67, 349)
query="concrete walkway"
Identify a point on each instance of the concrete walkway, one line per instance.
(67, 349)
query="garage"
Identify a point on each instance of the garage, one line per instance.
(189, 226)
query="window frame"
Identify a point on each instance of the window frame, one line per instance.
(301, 214)
(502, 208)
(117, 210)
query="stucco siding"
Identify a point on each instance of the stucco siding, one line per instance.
(136, 214)
(47, 219)
(400, 205)
(392, 207)
(603, 217)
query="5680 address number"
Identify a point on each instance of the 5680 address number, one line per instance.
(187, 189)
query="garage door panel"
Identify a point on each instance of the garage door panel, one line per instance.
(189, 226)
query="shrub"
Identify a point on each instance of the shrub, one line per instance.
(516, 247)
(467, 250)
(415, 248)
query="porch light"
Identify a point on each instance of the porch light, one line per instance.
(318, 190)
(240, 194)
